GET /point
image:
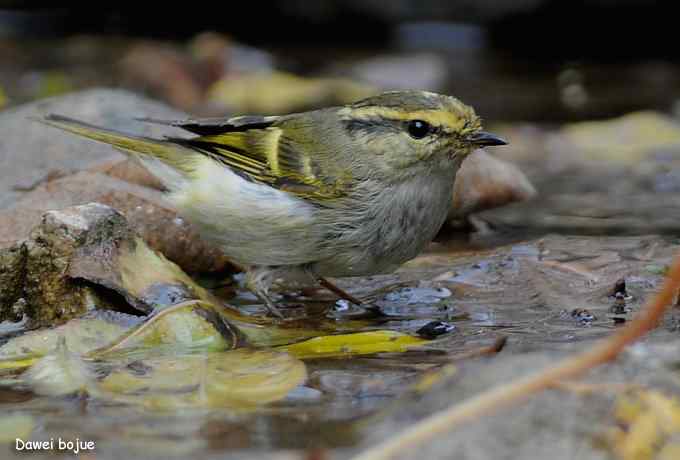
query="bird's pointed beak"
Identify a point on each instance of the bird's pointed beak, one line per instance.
(482, 138)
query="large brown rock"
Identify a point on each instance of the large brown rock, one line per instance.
(145, 209)
(486, 182)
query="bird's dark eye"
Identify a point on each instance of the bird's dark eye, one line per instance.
(418, 129)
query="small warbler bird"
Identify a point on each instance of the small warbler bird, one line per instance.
(355, 190)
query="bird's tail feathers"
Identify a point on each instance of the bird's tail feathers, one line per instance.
(170, 162)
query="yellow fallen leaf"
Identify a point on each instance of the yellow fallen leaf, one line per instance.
(670, 452)
(650, 421)
(666, 409)
(360, 343)
(626, 139)
(641, 439)
(18, 362)
(3, 98)
(281, 92)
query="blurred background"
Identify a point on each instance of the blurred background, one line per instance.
(534, 60)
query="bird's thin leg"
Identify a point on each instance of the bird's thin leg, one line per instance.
(339, 292)
(269, 303)
(258, 280)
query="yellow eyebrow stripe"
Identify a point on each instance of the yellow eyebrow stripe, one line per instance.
(442, 118)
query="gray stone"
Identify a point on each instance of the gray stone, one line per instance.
(31, 152)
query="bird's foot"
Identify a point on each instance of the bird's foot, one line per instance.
(371, 310)
(269, 303)
(339, 291)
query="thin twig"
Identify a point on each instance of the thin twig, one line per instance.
(522, 388)
(582, 388)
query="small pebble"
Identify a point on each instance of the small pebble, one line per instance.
(434, 329)
(303, 394)
(582, 315)
(619, 290)
(619, 307)
(342, 305)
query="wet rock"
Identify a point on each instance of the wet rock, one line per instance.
(87, 257)
(485, 182)
(53, 296)
(12, 275)
(146, 211)
(80, 247)
(74, 253)
(31, 151)
(593, 213)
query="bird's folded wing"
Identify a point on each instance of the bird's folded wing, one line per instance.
(258, 150)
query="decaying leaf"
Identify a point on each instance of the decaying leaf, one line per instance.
(238, 378)
(176, 329)
(150, 364)
(80, 335)
(60, 372)
(189, 325)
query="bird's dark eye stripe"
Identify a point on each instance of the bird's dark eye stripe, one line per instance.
(369, 125)
(417, 129)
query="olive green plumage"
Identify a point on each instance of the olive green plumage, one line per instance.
(341, 191)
